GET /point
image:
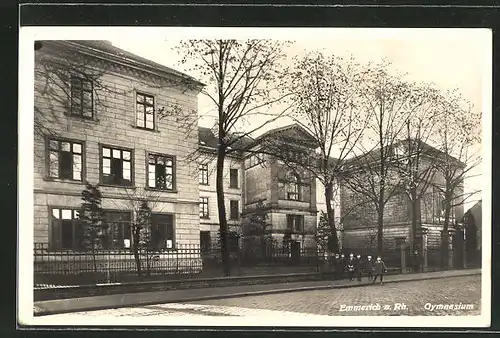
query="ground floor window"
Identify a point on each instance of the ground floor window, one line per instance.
(205, 241)
(118, 229)
(295, 223)
(66, 233)
(162, 231)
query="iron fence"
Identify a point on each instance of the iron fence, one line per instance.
(184, 261)
(67, 267)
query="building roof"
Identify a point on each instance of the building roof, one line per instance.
(425, 147)
(476, 212)
(291, 131)
(106, 49)
(207, 138)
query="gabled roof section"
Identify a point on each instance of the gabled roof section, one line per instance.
(476, 212)
(294, 133)
(428, 149)
(105, 49)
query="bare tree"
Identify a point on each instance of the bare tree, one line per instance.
(243, 78)
(326, 102)
(414, 158)
(142, 203)
(371, 173)
(458, 138)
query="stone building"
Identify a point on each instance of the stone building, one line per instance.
(360, 217)
(106, 116)
(234, 185)
(287, 193)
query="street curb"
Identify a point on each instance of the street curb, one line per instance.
(42, 312)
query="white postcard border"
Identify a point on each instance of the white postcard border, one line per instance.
(25, 170)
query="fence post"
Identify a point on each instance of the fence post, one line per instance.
(425, 262)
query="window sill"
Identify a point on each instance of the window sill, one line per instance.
(146, 129)
(63, 180)
(234, 187)
(206, 218)
(204, 184)
(173, 191)
(83, 118)
(116, 186)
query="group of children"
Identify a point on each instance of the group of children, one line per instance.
(354, 267)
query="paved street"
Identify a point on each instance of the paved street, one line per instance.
(414, 295)
(415, 298)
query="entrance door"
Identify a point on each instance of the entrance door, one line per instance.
(295, 252)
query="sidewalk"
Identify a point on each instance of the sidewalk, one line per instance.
(177, 296)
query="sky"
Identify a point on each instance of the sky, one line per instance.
(451, 59)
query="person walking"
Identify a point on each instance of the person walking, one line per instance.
(358, 267)
(379, 269)
(351, 265)
(342, 266)
(369, 267)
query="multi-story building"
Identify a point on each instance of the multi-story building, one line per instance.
(102, 116)
(360, 217)
(108, 117)
(287, 193)
(234, 185)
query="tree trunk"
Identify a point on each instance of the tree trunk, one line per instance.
(415, 221)
(380, 222)
(334, 247)
(380, 229)
(135, 249)
(93, 258)
(445, 236)
(222, 209)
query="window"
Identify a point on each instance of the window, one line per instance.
(118, 229)
(65, 160)
(145, 107)
(81, 97)
(293, 188)
(204, 207)
(162, 231)
(295, 223)
(160, 172)
(233, 178)
(116, 166)
(66, 232)
(205, 241)
(203, 174)
(234, 209)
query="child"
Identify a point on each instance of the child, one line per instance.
(369, 267)
(351, 264)
(359, 267)
(379, 269)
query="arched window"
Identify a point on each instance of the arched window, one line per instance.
(293, 187)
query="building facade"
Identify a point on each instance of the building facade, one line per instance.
(98, 120)
(234, 185)
(360, 218)
(109, 117)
